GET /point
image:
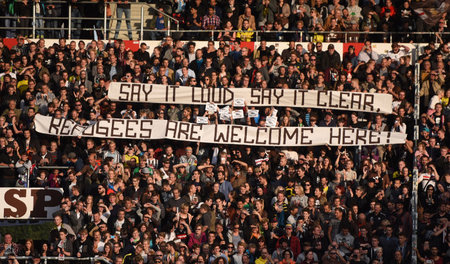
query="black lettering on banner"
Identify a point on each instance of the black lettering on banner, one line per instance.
(40, 201)
(135, 91)
(304, 137)
(195, 130)
(333, 136)
(184, 129)
(216, 99)
(219, 136)
(65, 129)
(330, 98)
(278, 96)
(255, 94)
(287, 136)
(124, 86)
(205, 92)
(147, 91)
(302, 96)
(129, 128)
(88, 131)
(347, 133)
(258, 130)
(171, 126)
(174, 92)
(103, 130)
(54, 125)
(388, 138)
(245, 136)
(146, 129)
(235, 134)
(368, 102)
(20, 208)
(361, 136)
(266, 94)
(342, 101)
(76, 127)
(228, 96)
(374, 137)
(356, 99)
(115, 127)
(318, 98)
(278, 138)
(167, 93)
(193, 95)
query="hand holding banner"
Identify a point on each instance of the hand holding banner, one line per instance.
(239, 102)
(238, 114)
(271, 121)
(202, 120)
(211, 107)
(253, 113)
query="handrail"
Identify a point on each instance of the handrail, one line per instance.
(164, 14)
(234, 30)
(344, 35)
(90, 259)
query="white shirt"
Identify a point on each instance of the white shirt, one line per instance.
(396, 56)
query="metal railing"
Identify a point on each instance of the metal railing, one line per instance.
(45, 259)
(170, 18)
(344, 36)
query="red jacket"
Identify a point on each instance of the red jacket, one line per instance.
(294, 244)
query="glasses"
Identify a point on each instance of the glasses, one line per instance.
(159, 255)
(231, 247)
(307, 184)
(313, 59)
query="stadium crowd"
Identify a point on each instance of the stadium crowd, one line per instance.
(132, 201)
(306, 19)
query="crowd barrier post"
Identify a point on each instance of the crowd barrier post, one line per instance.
(34, 20)
(69, 34)
(141, 33)
(168, 27)
(414, 190)
(105, 22)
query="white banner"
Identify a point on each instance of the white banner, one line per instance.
(173, 94)
(24, 203)
(148, 129)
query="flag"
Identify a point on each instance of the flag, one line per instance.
(431, 11)
(95, 34)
